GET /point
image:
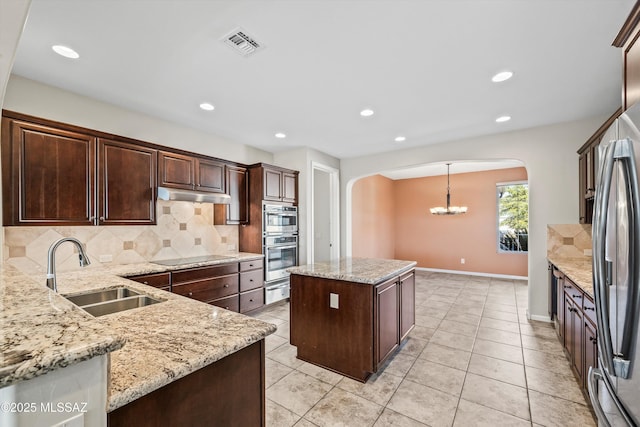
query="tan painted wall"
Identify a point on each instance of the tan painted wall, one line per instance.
(435, 241)
(373, 218)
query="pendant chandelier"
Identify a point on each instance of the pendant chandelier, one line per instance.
(449, 210)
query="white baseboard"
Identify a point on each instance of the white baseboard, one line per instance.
(539, 318)
(473, 273)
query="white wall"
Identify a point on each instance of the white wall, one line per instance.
(301, 159)
(37, 99)
(549, 154)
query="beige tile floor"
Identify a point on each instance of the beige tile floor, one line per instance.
(473, 359)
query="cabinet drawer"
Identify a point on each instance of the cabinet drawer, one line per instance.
(572, 290)
(231, 303)
(251, 300)
(589, 309)
(193, 274)
(251, 280)
(209, 289)
(160, 280)
(251, 265)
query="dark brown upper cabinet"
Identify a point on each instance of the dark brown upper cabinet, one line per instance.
(587, 162)
(275, 183)
(127, 182)
(48, 175)
(627, 40)
(190, 172)
(210, 176)
(237, 212)
(56, 174)
(176, 170)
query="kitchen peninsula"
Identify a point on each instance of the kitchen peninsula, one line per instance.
(350, 315)
(179, 361)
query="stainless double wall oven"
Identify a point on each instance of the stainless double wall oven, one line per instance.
(280, 248)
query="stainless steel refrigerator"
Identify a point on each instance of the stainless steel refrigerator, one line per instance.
(614, 386)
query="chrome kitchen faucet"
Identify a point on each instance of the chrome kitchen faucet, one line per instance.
(51, 259)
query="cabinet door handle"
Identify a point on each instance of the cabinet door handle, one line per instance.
(251, 280)
(250, 300)
(593, 340)
(570, 309)
(577, 296)
(590, 308)
(145, 283)
(226, 286)
(567, 286)
(190, 294)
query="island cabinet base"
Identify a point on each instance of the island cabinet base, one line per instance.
(230, 391)
(348, 327)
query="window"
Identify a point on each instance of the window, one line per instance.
(513, 216)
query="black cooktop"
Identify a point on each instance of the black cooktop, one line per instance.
(193, 260)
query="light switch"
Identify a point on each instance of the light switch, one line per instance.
(333, 300)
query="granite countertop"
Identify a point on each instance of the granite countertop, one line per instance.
(578, 270)
(359, 270)
(156, 344)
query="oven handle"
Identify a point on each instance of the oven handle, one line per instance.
(281, 247)
(273, 288)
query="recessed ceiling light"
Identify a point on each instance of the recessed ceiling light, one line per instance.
(400, 138)
(366, 112)
(503, 119)
(502, 76)
(207, 107)
(65, 51)
(280, 135)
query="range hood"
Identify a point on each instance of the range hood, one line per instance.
(178, 195)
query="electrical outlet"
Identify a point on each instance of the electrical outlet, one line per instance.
(461, 260)
(106, 258)
(334, 300)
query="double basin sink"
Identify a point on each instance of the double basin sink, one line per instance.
(108, 301)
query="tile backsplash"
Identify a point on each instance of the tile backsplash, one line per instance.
(569, 240)
(183, 229)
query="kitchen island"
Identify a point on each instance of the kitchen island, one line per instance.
(351, 315)
(165, 362)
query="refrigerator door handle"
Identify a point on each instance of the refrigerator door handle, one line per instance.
(625, 153)
(594, 375)
(600, 213)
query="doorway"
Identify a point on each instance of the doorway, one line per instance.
(324, 233)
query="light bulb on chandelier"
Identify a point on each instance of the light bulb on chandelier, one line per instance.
(449, 210)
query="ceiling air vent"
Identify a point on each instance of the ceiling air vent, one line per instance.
(242, 42)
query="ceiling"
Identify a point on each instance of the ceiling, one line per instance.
(423, 66)
(440, 168)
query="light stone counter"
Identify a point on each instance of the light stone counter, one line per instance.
(578, 270)
(41, 331)
(156, 344)
(359, 270)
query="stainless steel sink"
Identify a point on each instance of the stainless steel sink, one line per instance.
(103, 295)
(108, 301)
(116, 306)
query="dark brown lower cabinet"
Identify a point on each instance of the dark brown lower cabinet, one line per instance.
(158, 280)
(229, 392)
(388, 321)
(347, 327)
(408, 303)
(235, 286)
(576, 327)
